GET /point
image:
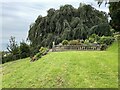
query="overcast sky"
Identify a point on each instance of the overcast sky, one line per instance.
(17, 16)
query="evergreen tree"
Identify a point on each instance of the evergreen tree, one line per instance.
(67, 23)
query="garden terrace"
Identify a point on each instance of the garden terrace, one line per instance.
(75, 47)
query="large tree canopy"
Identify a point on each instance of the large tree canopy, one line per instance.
(114, 12)
(67, 23)
(114, 9)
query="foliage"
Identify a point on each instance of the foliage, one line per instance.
(43, 50)
(106, 40)
(13, 47)
(16, 51)
(74, 42)
(24, 50)
(86, 41)
(103, 47)
(81, 41)
(13, 51)
(67, 23)
(65, 42)
(38, 55)
(101, 29)
(94, 38)
(34, 50)
(117, 37)
(91, 40)
(114, 8)
(7, 58)
(114, 12)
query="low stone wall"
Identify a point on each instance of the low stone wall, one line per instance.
(57, 48)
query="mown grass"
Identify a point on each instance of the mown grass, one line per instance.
(69, 69)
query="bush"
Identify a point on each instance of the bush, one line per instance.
(106, 40)
(43, 50)
(38, 55)
(103, 47)
(7, 58)
(81, 41)
(74, 42)
(117, 37)
(64, 42)
(86, 41)
(94, 38)
(91, 40)
(24, 50)
(16, 57)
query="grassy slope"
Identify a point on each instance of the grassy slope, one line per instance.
(83, 69)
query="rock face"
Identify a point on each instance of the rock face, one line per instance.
(66, 23)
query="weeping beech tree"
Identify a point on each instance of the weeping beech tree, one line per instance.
(67, 23)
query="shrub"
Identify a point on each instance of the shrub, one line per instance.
(94, 38)
(33, 51)
(7, 58)
(43, 50)
(106, 40)
(24, 50)
(64, 42)
(86, 41)
(74, 42)
(117, 37)
(10, 57)
(103, 47)
(82, 41)
(91, 40)
(38, 55)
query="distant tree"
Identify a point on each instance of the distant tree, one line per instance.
(65, 23)
(114, 8)
(24, 50)
(15, 51)
(13, 47)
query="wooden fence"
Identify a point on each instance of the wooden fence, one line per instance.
(58, 48)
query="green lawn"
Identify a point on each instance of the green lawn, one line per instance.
(69, 69)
